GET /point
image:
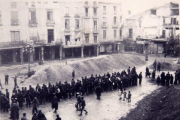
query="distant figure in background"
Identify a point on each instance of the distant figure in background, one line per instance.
(171, 79)
(14, 115)
(147, 72)
(98, 92)
(15, 82)
(55, 103)
(153, 75)
(129, 96)
(73, 74)
(158, 80)
(6, 78)
(124, 95)
(159, 66)
(1, 84)
(120, 94)
(167, 78)
(140, 78)
(35, 104)
(154, 65)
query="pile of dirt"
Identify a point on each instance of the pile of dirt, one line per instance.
(162, 104)
(61, 72)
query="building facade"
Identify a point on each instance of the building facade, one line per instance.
(46, 30)
(155, 26)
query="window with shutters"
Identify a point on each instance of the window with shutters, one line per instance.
(104, 34)
(95, 11)
(104, 9)
(115, 9)
(95, 24)
(77, 24)
(14, 18)
(114, 20)
(130, 32)
(77, 10)
(67, 10)
(49, 15)
(15, 36)
(114, 33)
(86, 12)
(95, 38)
(87, 38)
(32, 17)
(67, 24)
(13, 5)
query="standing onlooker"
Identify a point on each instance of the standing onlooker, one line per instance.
(6, 78)
(73, 74)
(14, 111)
(158, 80)
(35, 104)
(129, 96)
(15, 82)
(140, 78)
(159, 66)
(120, 94)
(24, 117)
(124, 95)
(171, 79)
(55, 103)
(1, 84)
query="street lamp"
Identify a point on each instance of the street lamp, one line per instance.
(28, 49)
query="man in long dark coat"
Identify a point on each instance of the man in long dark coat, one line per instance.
(98, 92)
(140, 78)
(14, 111)
(55, 103)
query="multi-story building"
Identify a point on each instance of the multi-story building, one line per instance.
(45, 30)
(156, 25)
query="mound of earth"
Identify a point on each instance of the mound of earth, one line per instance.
(100, 65)
(162, 104)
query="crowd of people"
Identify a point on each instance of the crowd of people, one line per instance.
(38, 95)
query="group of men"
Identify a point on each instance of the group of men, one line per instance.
(38, 95)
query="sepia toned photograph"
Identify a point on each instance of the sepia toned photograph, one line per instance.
(89, 60)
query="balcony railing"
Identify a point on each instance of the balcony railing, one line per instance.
(14, 22)
(32, 23)
(50, 23)
(73, 42)
(12, 43)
